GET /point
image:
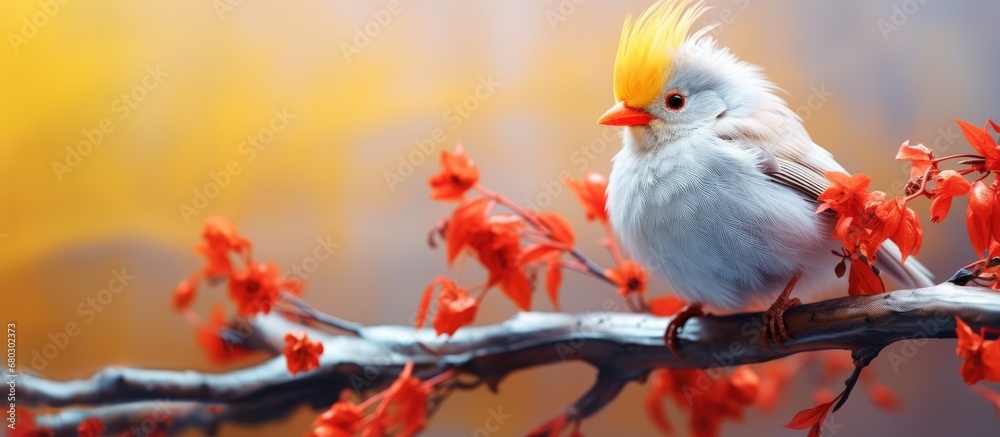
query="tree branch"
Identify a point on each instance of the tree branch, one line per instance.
(622, 346)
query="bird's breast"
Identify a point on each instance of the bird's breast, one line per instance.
(712, 226)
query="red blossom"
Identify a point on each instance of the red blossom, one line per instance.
(256, 288)
(405, 403)
(220, 237)
(981, 356)
(774, 376)
(920, 158)
(709, 399)
(496, 243)
(301, 353)
(210, 337)
(458, 174)
(592, 192)
(883, 396)
(846, 194)
(630, 277)
(25, 426)
(468, 220)
(183, 295)
(342, 420)
(664, 306)
(91, 427)
(984, 143)
(949, 184)
(558, 228)
(863, 281)
(498, 249)
(455, 307)
(982, 219)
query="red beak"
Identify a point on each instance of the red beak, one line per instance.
(623, 115)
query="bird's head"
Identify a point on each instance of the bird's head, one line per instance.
(668, 83)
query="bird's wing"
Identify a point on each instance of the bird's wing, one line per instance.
(787, 153)
(792, 159)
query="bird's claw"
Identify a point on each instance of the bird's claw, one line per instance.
(774, 322)
(682, 316)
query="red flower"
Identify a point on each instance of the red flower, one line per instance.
(981, 357)
(256, 287)
(983, 142)
(92, 427)
(630, 277)
(406, 398)
(183, 295)
(301, 353)
(558, 229)
(26, 425)
(593, 194)
(884, 397)
(468, 220)
(221, 237)
(562, 237)
(458, 174)
(341, 420)
(982, 219)
(219, 348)
(846, 194)
(666, 305)
(949, 184)
(496, 243)
(711, 400)
(774, 377)
(455, 307)
(863, 281)
(920, 158)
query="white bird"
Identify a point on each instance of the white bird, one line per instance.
(715, 186)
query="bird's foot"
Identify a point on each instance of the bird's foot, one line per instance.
(774, 322)
(670, 336)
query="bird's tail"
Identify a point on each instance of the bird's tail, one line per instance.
(912, 274)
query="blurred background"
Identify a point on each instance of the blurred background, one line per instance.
(125, 124)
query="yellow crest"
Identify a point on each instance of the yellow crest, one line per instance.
(647, 45)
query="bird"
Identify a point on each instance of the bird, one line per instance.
(715, 187)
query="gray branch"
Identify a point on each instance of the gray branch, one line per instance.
(621, 346)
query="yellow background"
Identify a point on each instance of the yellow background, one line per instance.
(356, 117)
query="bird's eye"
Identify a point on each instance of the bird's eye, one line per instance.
(675, 100)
